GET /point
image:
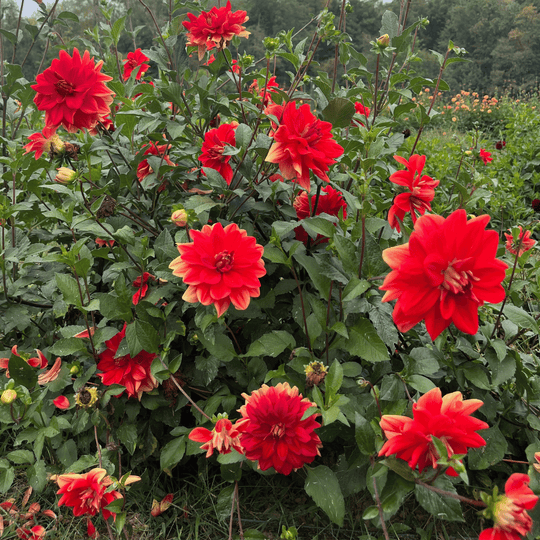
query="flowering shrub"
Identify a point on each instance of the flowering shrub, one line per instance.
(183, 300)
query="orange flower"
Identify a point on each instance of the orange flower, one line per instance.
(52, 374)
(215, 28)
(86, 493)
(302, 143)
(523, 243)
(133, 373)
(444, 274)
(448, 418)
(221, 265)
(134, 60)
(275, 434)
(72, 92)
(223, 438)
(509, 510)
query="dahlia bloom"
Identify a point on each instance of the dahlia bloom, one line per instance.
(224, 437)
(52, 374)
(72, 92)
(330, 202)
(160, 150)
(421, 191)
(44, 142)
(61, 402)
(302, 143)
(536, 205)
(215, 28)
(35, 533)
(265, 93)
(485, 156)
(509, 511)
(102, 243)
(213, 147)
(133, 373)
(141, 283)
(444, 274)
(362, 111)
(86, 493)
(448, 418)
(523, 243)
(221, 265)
(275, 434)
(499, 145)
(135, 60)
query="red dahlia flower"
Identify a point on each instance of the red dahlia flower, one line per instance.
(523, 243)
(485, 156)
(141, 283)
(72, 92)
(215, 28)
(330, 202)
(499, 145)
(421, 191)
(35, 533)
(448, 418)
(265, 93)
(536, 205)
(159, 507)
(215, 142)
(44, 142)
(61, 402)
(224, 437)
(133, 373)
(444, 274)
(302, 143)
(86, 493)
(509, 511)
(275, 434)
(160, 150)
(220, 266)
(134, 60)
(362, 111)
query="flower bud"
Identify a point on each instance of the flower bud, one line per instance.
(315, 374)
(65, 175)
(179, 218)
(8, 396)
(384, 40)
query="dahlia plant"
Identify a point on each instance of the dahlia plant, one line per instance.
(213, 252)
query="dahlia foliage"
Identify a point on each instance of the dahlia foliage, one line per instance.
(446, 271)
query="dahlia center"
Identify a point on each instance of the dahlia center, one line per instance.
(278, 430)
(224, 261)
(506, 512)
(216, 152)
(457, 281)
(64, 88)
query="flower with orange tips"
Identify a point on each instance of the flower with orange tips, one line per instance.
(223, 438)
(275, 433)
(159, 507)
(52, 374)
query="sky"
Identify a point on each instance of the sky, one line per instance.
(30, 7)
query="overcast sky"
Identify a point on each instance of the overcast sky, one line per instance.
(30, 7)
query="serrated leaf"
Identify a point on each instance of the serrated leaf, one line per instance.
(364, 342)
(69, 288)
(142, 336)
(437, 505)
(339, 112)
(520, 317)
(494, 451)
(323, 486)
(272, 344)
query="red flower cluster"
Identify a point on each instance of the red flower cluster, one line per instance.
(362, 111)
(215, 28)
(302, 143)
(224, 437)
(215, 142)
(154, 149)
(330, 201)
(421, 191)
(444, 274)
(523, 243)
(485, 156)
(220, 266)
(499, 145)
(275, 434)
(133, 373)
(86, 493)
(73, 93)
(448, 418)
(134, 60)
(510, 510)
(141, 283)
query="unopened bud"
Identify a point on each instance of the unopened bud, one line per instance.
(65, 175)
(179, 218)
(74, 370)
(384, 40)
(8, 396)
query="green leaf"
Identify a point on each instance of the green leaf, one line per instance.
(321, 282)
(437, 505)
(364, 342)
(520, 317)
(333, 380)
(67, 346)
(390, 24)
(69, 288)
(21, 456)
(171, 454)
(494, 451)
(272, 344)
(142, 336)
(323, 486)
(84, 462)
(243, 135)
(21, 372)
(117, 29)
(224, 503)
(37, 476)
(364, 435)
(127, 433)
(6, 479)
(339, 112)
